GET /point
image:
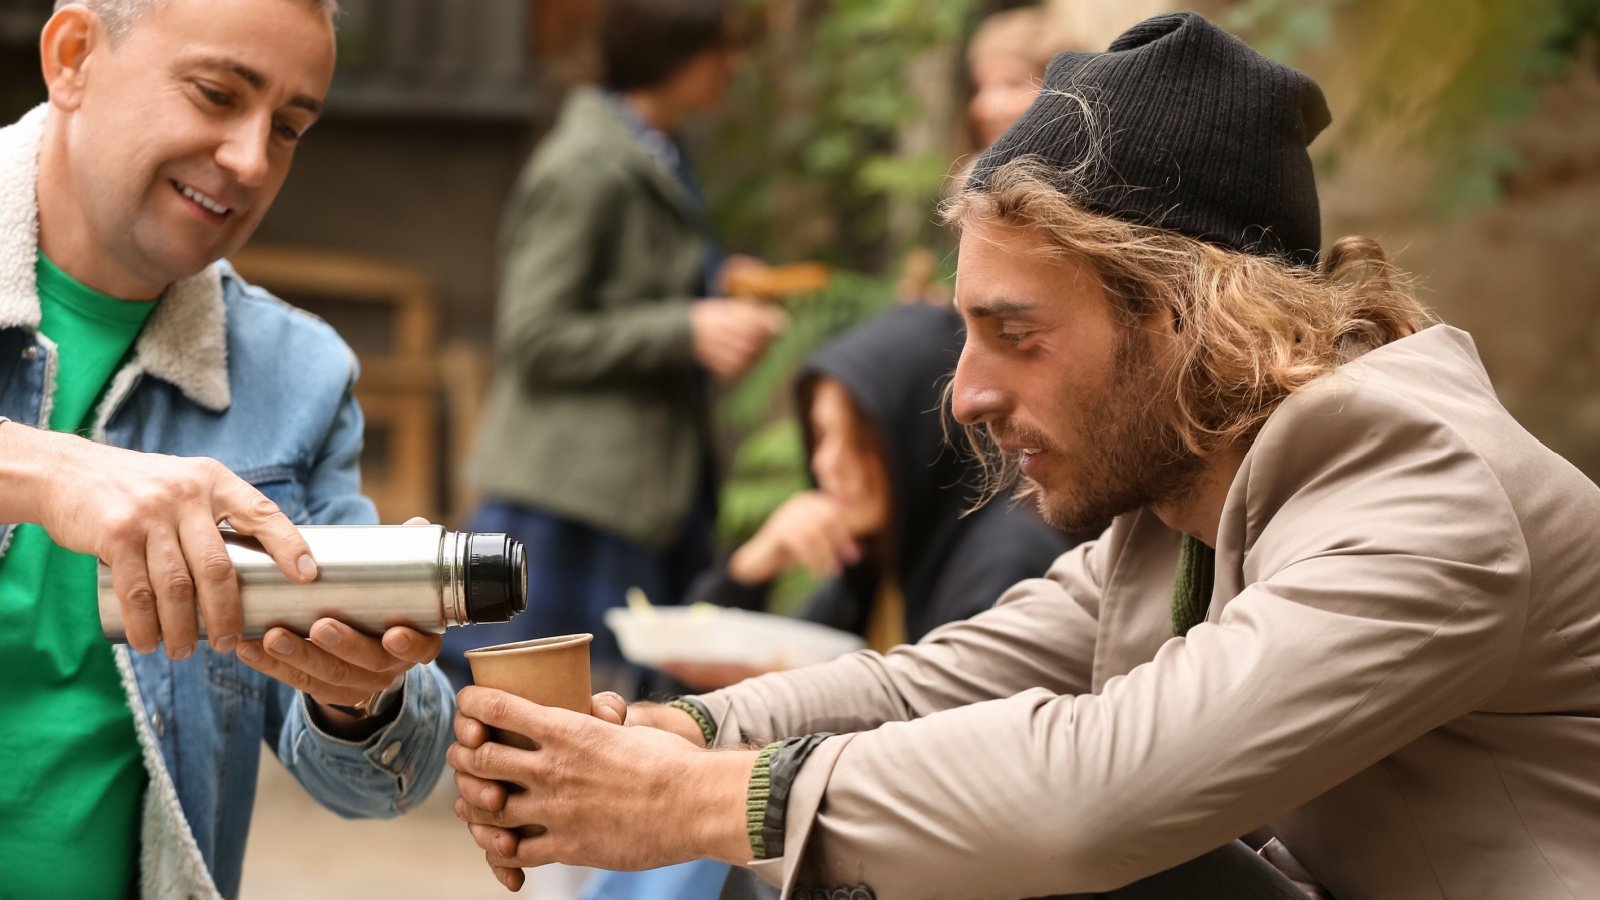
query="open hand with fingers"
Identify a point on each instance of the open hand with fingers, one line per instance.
(339, 665)
(731, 336)
(593, 792)
(811, 529)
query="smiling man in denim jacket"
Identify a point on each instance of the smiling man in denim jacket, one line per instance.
(170, 128)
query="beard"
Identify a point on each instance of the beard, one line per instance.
(1131, 455)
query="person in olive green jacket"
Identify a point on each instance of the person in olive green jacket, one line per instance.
(594, 449)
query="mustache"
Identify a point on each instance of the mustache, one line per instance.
(1009, 433)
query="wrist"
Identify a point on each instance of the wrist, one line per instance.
(715, 796)
(380, 705)
(341, 722)
(27, 464)
(667, 718)
(364, 719)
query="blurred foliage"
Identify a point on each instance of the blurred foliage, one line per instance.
(1279, 28)
(849, 298)
(1445, 77)
(808, 156)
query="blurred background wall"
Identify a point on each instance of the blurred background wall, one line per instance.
(1467, 140)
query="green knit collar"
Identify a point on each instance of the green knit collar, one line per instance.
(1191, 591)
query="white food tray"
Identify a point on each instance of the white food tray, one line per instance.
(703, 633)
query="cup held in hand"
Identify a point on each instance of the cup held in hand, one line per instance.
(552, 671)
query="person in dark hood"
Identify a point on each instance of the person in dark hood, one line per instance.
(887, 522)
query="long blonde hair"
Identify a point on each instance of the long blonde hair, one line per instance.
(1251, 329)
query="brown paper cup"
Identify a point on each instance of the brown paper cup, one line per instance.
(552, 671)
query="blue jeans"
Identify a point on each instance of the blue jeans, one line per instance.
(575, 573)
(698, 880)
(1231, 872)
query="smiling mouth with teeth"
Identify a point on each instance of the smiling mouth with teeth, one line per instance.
(201, 200)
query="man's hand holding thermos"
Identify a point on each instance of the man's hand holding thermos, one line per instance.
(344, 631)
(153, 520)
(382, 596)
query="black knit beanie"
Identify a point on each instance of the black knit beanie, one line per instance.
(1187, 129)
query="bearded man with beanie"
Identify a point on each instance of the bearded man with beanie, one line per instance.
(1345, 614)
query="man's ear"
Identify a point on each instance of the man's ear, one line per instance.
(66, 45)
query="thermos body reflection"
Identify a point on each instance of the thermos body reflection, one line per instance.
(371, 577)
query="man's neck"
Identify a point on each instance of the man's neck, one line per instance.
(655, 109)
(1198, 513)
(64, 234)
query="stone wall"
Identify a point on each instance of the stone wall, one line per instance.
(1523, 276)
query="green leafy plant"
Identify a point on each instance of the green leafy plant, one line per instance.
(808, 156)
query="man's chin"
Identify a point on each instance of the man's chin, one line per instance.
(1069, 512)
(1054, 507)
(186, 251)
(182, 263)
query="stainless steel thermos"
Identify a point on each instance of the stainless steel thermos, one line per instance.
(370, 577)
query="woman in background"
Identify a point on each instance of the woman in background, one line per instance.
(1006, 59)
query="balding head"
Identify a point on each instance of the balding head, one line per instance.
(118, 16)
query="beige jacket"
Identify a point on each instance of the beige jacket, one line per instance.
(1400, 677)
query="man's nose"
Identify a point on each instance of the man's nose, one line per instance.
(245, 152)
(975, 398)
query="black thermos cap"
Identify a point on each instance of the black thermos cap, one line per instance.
(496, 577)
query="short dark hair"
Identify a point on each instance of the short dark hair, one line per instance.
(644, 42)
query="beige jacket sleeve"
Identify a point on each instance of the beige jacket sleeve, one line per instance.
(1386, 583)
(1030, 639)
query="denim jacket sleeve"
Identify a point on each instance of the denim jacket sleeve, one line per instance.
(384, 775)
(394, 769)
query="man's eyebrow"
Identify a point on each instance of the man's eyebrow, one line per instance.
(1000, 308)
(307, 103)
(259, 81)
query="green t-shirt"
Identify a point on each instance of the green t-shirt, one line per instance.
(71, 780)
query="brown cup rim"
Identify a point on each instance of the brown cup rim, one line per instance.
(544, 643)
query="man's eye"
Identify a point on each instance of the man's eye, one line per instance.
(214, 96)
(1013, 337)
(287, 133)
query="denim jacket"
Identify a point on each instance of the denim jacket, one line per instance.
(222, 369)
